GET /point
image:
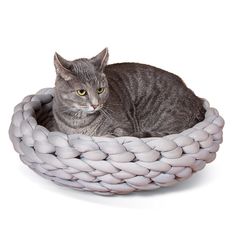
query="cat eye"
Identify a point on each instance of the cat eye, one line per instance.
(81, 92)
(100, 90)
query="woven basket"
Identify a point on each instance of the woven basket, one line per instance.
(110, 165)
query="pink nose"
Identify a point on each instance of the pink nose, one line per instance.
(95, 106)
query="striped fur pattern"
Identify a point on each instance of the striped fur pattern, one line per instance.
(138, 100)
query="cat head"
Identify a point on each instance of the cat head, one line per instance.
(81, 84)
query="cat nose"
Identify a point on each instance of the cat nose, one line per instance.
(94, 106)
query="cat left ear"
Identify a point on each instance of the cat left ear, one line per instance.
(100, 61)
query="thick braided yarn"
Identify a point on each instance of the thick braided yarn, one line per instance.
(110, 165)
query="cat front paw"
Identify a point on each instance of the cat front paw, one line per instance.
(120, 132)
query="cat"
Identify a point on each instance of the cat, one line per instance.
(125, 99)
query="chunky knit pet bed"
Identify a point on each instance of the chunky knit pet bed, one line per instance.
(110, 165)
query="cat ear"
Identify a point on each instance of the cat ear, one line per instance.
(100, 61)
(62, 67)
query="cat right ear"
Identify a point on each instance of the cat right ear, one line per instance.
(62, 67)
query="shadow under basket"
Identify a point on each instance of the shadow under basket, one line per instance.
(110, 165)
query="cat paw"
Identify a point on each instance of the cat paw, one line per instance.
(120, 132)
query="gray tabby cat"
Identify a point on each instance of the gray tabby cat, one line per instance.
(132, 99)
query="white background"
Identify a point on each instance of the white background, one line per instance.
(194, 39)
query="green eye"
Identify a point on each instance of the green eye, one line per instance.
(100, 90)
(81, 92)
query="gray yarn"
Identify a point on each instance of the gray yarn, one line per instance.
(111, 165)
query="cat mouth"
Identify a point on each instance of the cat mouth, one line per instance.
(92, 110)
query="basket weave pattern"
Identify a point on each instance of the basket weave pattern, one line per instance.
(111, 165)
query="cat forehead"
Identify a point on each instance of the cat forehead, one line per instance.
(84, 82)
(83, 66)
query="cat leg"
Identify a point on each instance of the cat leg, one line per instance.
(120, 132)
